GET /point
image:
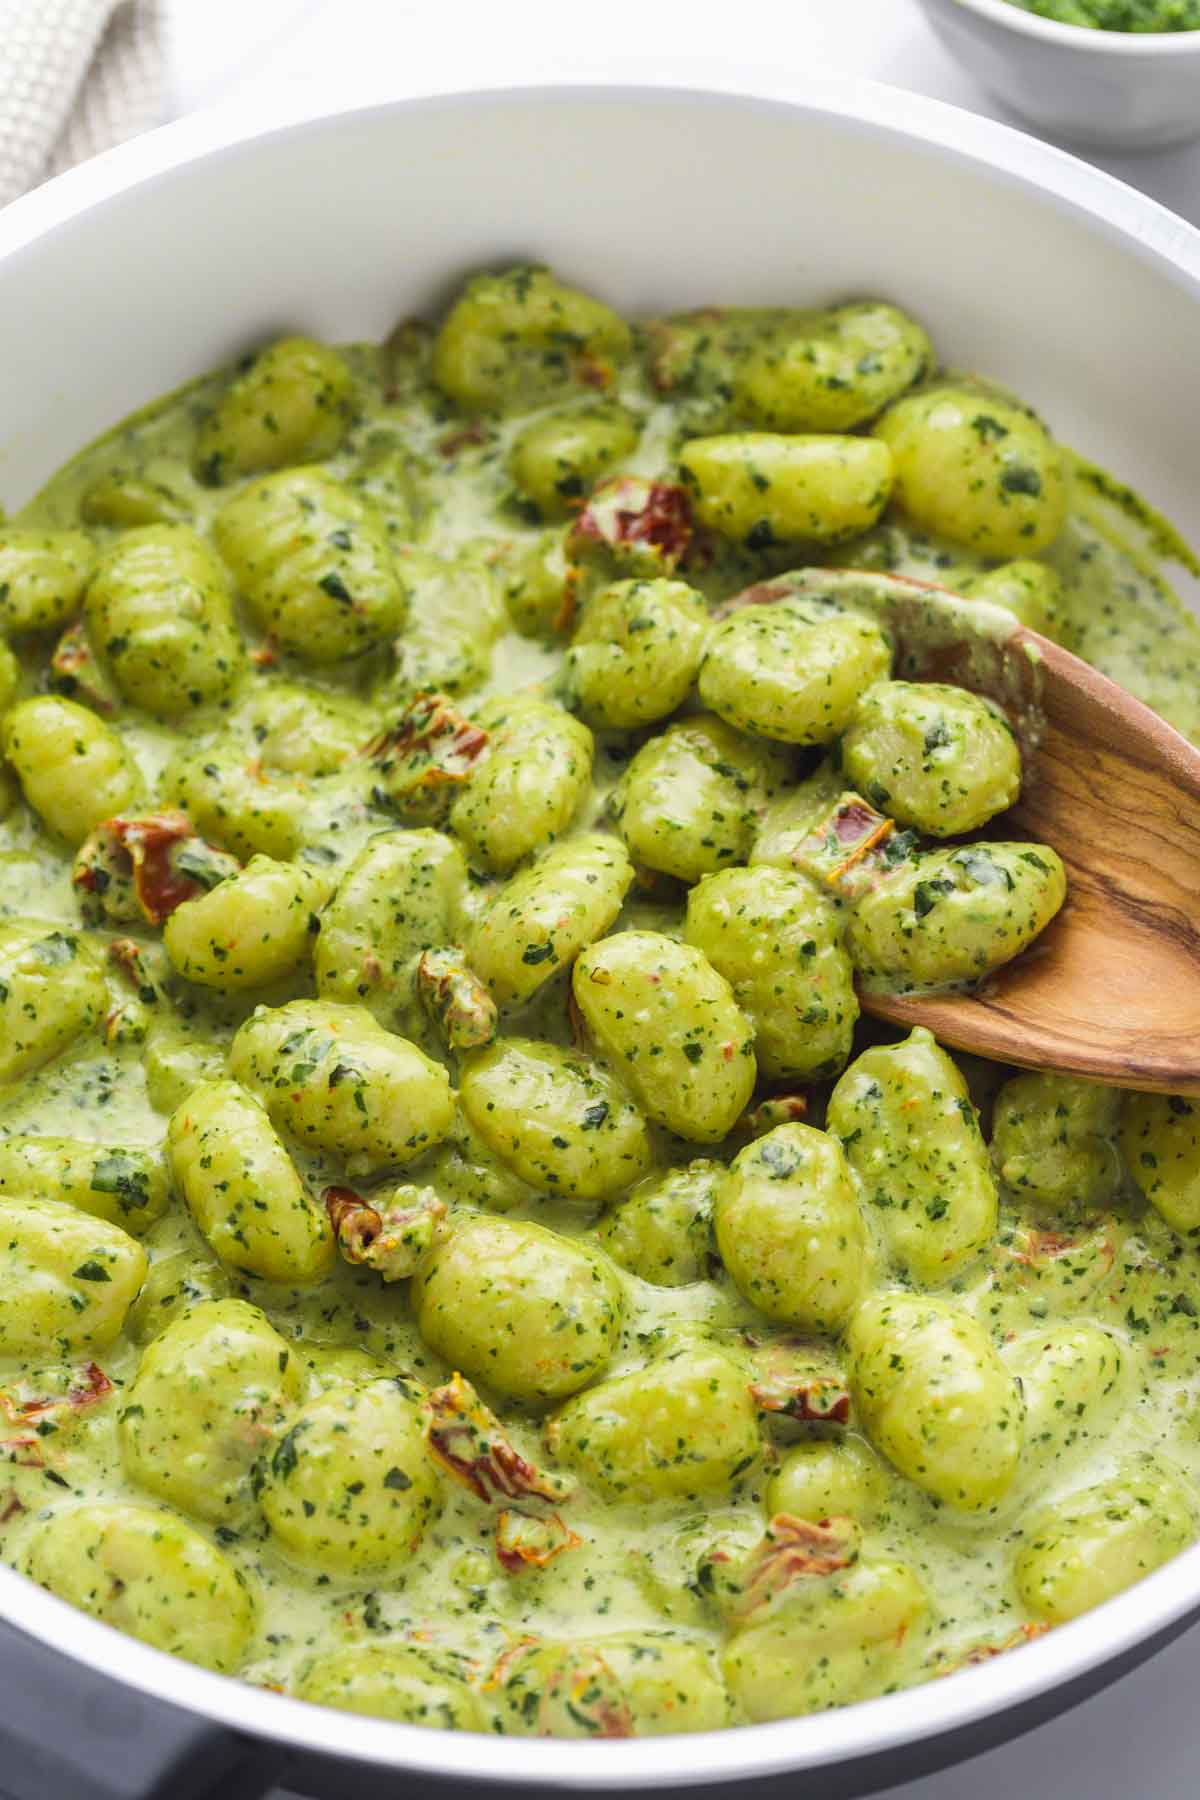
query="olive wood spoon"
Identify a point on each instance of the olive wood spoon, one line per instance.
(1111, 989)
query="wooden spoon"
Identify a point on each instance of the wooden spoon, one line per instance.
(1111, 989)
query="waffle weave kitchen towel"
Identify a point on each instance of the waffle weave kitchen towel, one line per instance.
(76, 77)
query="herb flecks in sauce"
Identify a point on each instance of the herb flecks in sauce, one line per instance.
(719, 1487)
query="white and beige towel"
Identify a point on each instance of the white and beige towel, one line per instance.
(76, 77)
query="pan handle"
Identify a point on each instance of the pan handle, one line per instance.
(70, 1731)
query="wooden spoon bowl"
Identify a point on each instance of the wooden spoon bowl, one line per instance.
(1111, 990)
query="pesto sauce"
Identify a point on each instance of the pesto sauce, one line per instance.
(628, 1572)
(1146, 16)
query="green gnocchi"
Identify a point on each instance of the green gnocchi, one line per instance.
(467, 1261)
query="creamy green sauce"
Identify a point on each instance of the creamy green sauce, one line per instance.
(1118, 15)
(630, 1571)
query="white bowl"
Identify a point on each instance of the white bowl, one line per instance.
(1103, 90)
(124, 278)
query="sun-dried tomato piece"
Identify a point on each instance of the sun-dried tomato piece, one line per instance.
(26, 1452)
(456, 1000)
(984, 1652)
(527, 1540)
(148, 842)
(103, 880)
(506, 1663)
(579, 1691)
(817, 1401)
(75, 671)
(425, 757)
(1036, 1245)
(639, 523)
(467, 437)
(146, 864)
(1079, 1262)
(796, 1378)
(469, 1441)
(563, 622)
(778, 1109)
(851, 847)
(144, 969)
(671, 344)
(388, 1233)
(792, 1549)
(593, 371)
(88, 1386)
(855, 823)
(587, 1690)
